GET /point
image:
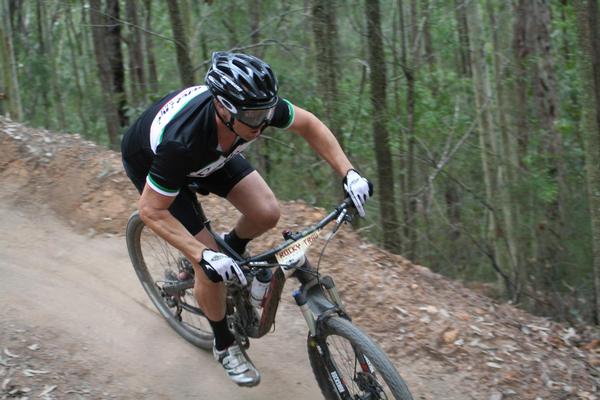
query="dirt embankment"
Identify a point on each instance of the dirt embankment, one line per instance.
(437, 331)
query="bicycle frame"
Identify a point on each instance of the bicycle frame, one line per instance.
(318, 292)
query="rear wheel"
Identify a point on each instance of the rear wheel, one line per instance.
(349, 365)
(157, 264)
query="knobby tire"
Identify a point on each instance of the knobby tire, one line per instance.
(149, 253)
(341, 328)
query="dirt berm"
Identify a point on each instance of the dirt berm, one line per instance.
(443, 337)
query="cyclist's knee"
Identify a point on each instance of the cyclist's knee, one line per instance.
(268, 215)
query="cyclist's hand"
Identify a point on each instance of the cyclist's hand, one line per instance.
(219, 267)
(359, 189)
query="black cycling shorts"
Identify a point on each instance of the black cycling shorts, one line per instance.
(219, 182)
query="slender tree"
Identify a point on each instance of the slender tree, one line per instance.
(522, 50)
(505, 173)
(43, 75)
(488, 141)
(50, 41)
(462, 27)
(255, 11)
(324, 26)
(111, 113)
(11, 93)
(137, 76)
(115, 57)
(149, 47)
(412, 59)
(551, 229)
(260, 150)
(589, 39)
(77, 68)
(184, 62)
(389, 218)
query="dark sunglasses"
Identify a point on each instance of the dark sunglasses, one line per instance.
(255, 118)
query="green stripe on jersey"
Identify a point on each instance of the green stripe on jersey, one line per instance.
(164, 189)
(291, 108)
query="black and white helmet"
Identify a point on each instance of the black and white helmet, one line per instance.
(241, 82)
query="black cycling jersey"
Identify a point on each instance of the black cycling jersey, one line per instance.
(176, 138)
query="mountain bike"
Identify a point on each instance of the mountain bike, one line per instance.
(346, 362)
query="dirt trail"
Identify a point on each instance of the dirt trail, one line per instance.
(80, 296)
(71, 306)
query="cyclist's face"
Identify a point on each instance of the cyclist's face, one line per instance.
(246, 132)
(242, 130)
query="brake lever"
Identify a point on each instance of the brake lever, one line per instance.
(341, 217)
(340, 220)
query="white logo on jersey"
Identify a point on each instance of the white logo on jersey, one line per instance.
(215, 165)
(169, 111)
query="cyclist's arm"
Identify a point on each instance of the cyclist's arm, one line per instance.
(154, 211)
(321, 139)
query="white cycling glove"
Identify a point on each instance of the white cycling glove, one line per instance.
(219, 267)
(359, 189)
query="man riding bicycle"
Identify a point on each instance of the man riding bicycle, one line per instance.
(198, 134)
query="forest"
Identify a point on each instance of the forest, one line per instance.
(477, 120)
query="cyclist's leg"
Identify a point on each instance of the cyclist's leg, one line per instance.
(243, 187)
(225, 350)
(258, 205)
(210, 295)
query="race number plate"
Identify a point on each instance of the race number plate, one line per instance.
(293, 253)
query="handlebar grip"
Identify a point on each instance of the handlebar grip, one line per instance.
(347, 202)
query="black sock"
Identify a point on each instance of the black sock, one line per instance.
(223, 336)
(235, 242)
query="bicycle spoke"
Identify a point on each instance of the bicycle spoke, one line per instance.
(160, 264)
(358, 382)
(347, 363)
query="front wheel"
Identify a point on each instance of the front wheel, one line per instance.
(157, 264)
(349, 365)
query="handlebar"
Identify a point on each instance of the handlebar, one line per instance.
(340, 214)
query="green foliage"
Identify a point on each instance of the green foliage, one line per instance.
(457, 244)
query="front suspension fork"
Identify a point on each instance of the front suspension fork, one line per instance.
(317, 298)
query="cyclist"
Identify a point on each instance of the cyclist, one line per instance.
(199, 133)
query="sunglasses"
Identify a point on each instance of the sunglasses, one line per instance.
(255, 118)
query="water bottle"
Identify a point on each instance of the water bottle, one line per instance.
(260, 284)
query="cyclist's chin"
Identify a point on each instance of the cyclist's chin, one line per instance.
(249, 134)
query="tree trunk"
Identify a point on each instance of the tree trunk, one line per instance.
(430, 57)
(506, 169)
(260, 149)
(462, 26)
(184, 62)
(44, 74)
(85, 45)
(115, 58)
(488, 143)
(389, 219)
(150, 60)
(403, 135)
(587, 18)
(137, 77)
(57, 94)
(11, 95)
(76, 68)
(413, 60)
(551, 230)
(521, 53)
(111, 113)
(254, 9)
(324, 26)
